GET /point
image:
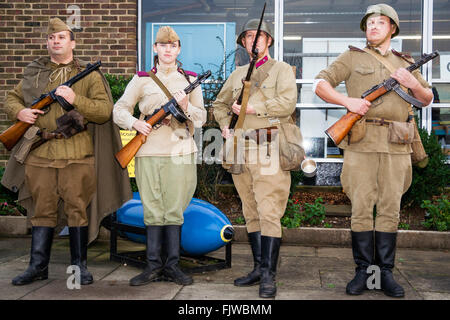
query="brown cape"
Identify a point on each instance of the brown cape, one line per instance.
(113, 185)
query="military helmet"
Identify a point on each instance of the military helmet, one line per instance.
(253, 25)
(384, 10)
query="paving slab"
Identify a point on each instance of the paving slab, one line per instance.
(304, 272)
(105, 290)
(435, 295)
(328, 294)
(11, 292)
(218, 291)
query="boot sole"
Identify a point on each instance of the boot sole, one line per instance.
(267, 295)
(247, 285)
(393, 295)
(169, 279)
(354, 293)
(31, 281)
(157, 279)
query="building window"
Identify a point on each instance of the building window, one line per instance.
(440, 117)
(308, 35)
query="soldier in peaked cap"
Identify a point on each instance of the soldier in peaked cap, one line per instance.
(377, 170)
(165, 164)
(64, 170)
(272, 100)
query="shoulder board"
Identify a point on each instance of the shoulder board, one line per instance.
(145, 74)
(189, 73)
(142, 74)
(402, 55)
(352, 48)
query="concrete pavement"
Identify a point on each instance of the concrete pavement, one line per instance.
(304, 272)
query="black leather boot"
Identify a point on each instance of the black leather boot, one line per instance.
(270, 249)
(363, 248)
(172, 239)
(385, 245)
(78, 239)
(41, 244)
(154, 264)
(255, 275)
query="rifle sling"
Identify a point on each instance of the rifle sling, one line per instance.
(400, 90)
(161, 85)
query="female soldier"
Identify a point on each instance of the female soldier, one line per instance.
(165, 164)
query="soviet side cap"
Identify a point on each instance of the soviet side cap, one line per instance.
(166, 34)
(57, 25)
(253, 25)
(385, 10)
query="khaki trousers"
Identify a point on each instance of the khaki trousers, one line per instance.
(74, 184)
(166, 186)
(264, 196)
(378, 179)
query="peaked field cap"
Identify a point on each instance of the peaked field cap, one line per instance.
(166, 34)
(57, 25)
(253, 25)
(385, 10)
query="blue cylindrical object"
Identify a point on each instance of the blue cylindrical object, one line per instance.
(205, 227)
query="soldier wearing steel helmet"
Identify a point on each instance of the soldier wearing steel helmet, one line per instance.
(375, 171)
(273, 96)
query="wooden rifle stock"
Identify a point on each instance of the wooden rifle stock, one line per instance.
(342, 127)
(12, 135)
(127, 153)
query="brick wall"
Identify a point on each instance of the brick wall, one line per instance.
(108, 33)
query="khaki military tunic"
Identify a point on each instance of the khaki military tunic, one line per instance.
(375, 171)
(166, 172)
(63, 169)
(263, 190)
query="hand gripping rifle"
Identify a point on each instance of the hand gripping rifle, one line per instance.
(341, 128)
(12, 135)
(234, 117)
(127, 153)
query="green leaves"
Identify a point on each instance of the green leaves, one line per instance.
(431, 180)
(437, 215)
(297, 215)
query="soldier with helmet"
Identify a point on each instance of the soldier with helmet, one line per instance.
(377, 170)
(166, 172)
(272, 99)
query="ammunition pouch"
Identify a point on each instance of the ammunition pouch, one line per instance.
(358, 131)
(401, 132)
(29, 138)
(291, 146)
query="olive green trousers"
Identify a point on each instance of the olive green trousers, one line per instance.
(166, 186)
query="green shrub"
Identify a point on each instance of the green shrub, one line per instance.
(118, 85)
(431, 180)
(314, 213)
(437, 215)
(296, 215)
(296, 178)
(292, 217)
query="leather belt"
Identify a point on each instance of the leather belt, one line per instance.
(380, 122)
(269, 135)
